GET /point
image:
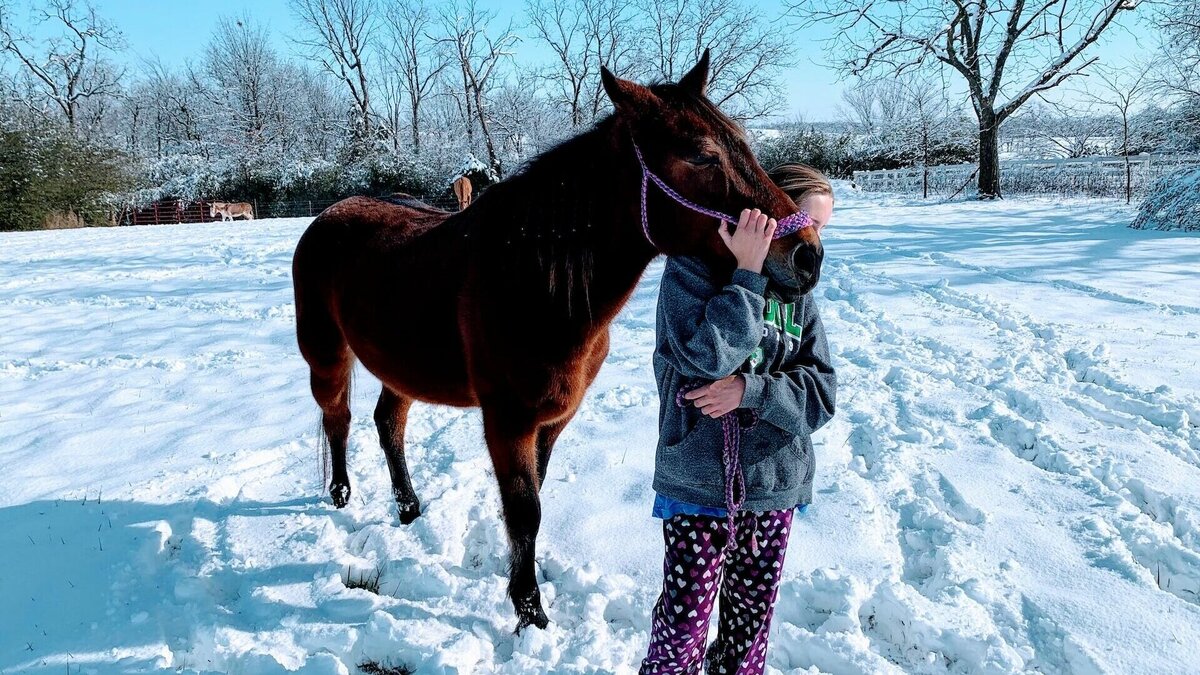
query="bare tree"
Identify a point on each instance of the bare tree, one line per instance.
(340, 32)
(69, 69)
(988, 43)
(583, 35)
(1062, 128)
(476, 51)
(417, 56)
(1177, 68)
(872, 108)
(160, 114)
(1124, 90)
(748, 54)
(929, 123)
(239, 76)
(526, 120)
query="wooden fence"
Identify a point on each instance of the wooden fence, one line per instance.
(1082, 176)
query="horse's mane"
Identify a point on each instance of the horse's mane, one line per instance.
(550, 210)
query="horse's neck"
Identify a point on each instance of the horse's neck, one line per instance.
(585, 212)
(609, 229)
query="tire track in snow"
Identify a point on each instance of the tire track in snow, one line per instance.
(946, 260)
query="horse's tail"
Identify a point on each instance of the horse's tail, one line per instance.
(323, 456)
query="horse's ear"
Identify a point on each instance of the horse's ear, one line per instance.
(627, 97)
(696, 79)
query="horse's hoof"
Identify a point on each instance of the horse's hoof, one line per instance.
(530, 613)
(340, 495)
(408, 511)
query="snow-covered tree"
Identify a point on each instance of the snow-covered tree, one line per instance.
(478, 51)
(748, 54)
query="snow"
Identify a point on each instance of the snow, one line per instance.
(1012, 482)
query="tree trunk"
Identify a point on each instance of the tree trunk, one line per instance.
(416, 126)
(493, 158)
(989, 157)
(1125, 151)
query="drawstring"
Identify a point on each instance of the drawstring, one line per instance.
(732, 424)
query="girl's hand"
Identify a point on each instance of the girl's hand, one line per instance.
(750, 242)
(717, 398)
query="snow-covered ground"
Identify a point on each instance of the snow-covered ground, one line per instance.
(1012, 483)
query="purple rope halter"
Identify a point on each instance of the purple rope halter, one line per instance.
(789, 225)
(731, 458)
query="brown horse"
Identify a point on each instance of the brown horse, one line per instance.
(462, 191)
(507, 305)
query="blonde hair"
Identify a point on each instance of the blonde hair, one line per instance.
(800, 180)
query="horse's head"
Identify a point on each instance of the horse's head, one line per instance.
(705, 157)
(212, 209)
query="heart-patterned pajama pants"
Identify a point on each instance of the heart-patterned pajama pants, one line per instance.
(696, 568)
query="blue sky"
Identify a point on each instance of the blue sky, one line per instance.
(177, 31)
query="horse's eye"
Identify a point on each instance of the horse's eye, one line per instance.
(704, 159)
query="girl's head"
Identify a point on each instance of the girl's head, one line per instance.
(809, 188)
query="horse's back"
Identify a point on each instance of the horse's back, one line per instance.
(385, 274)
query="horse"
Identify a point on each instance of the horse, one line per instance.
(462, 191)
(231, 210)
(507, 305)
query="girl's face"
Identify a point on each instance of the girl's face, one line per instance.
(819, 207)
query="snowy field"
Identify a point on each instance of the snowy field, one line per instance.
(1012, 483)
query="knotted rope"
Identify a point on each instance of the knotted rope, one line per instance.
(732, 424)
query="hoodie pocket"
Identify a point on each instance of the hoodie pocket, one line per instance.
(786, 469)
(696, 460)
(763, 441)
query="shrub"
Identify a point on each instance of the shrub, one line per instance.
(45, 170)
(1172, 204)
(63, 220)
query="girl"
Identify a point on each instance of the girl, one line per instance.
(734, 369)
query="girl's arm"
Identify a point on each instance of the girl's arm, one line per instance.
(709, 335)
(800, 399)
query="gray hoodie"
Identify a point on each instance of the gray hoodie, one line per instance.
(707, 331)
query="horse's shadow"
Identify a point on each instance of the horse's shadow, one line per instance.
(107, 583)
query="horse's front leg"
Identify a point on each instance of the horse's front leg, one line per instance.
(512, 435)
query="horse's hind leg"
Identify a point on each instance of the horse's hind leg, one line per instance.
(512, 442)
(330, 363)
(391, 416)
(546, 438)
(332, 391)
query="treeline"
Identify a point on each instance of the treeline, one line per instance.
(379, 97)
(382, 96)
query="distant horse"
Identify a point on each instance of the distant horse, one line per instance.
(462, 191)
(507, 305)
(231, 210)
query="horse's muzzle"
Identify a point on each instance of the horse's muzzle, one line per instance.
(806, 266)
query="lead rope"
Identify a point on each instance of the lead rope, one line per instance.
(731, 458)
